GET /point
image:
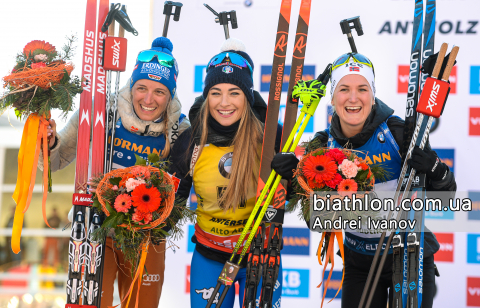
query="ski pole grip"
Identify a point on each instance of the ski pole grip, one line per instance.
(450, 63)
(441, 57)
(325, 76)
(110, 17)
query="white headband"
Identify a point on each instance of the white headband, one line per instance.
(350, 68)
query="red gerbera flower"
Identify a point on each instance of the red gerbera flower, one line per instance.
(314, 185)
(336, 155)
(335, 181)
(347, 187)
(319, 168)
(145, 199)
(42, 46)
(123, 203)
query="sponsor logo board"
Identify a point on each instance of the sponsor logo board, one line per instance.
(296, 241)
(447, 246)
(333, 285)
(474, 121)
(474, 214)
(473, 248)
(473, 291)
(295, 282)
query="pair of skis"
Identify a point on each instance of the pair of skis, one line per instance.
(408, 246)
(86, 256)
(268, 264)
(259, 263)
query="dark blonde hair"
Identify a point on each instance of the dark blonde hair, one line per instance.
(245, 159)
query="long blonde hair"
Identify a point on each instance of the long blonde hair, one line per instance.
(245, 159)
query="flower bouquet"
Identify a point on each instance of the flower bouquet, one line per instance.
(39, 82)
(138, 202)
(333, 174)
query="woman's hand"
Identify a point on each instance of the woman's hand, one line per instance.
(52, 132)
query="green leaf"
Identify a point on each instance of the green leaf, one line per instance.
(110, 209)
(115, 181)
(96, 204)
(362, 175)
(153, 158)
(110, 222)
(140, 161)
(120, 218)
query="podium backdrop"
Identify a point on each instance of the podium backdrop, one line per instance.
(387, 42)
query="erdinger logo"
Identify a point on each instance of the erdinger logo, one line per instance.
(154, 77)
(225, 164)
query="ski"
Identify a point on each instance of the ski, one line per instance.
(95, 250)
(81, 198)
(268, 147)
(275, 214)
(403, 241)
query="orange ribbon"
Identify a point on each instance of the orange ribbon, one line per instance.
(329, 256)
(139, 273)
(35, 129)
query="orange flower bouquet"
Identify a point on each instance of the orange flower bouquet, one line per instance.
(332, 174)
(138, 202)
(39, 82)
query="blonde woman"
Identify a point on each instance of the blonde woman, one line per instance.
(149, 120)
(220, 155)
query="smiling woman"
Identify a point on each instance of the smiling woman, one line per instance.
(219, 156)
(149, 120)
(364, 123)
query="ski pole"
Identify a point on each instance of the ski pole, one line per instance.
(167, 11)
(223, 18)
(115, 59)
(266, 196)
(422, 109)
(347, 25)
